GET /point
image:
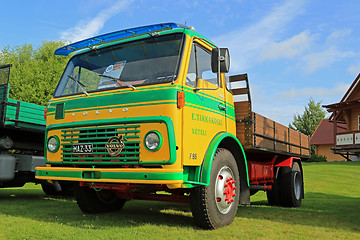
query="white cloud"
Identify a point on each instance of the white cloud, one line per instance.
(260, 42)
(289, 48)
(87, 29)
(296, 93)
(282, 107)
(281, 113)
(354, 69)
(246, 44)
(325, 58)
(337, 35)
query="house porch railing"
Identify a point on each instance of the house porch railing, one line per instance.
(347, 139)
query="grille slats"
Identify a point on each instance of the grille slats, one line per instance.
(86, 134)
(102, 128)
(99, 136)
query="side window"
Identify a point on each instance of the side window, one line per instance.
(204, 66)
(200, 66)
(359, 123)
(227, 83)
(191, 75)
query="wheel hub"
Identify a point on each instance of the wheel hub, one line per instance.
(297, 185)
(225, 190)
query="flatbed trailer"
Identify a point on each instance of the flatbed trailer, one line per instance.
(267, 144)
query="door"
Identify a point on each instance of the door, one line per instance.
(205, 108)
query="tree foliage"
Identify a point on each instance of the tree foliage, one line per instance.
(35, 72)
(310, 119)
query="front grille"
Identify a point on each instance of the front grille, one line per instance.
(99, 136)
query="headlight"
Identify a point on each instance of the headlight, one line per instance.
(53, 144)
(153, 141)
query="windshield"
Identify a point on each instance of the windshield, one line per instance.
(144, 62)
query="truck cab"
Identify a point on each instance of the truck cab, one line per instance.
(144, 111)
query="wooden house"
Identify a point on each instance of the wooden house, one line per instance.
(323, 139)
(347, 111)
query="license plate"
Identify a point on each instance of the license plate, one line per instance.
(82, 148)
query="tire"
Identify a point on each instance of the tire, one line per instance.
(273, 196)
(292, 186)
(50, 189)
(67, 189)
(91, 201)
(210, 206)
(58, 188)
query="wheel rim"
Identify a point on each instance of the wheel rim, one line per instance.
(297, 185)
(225, 186)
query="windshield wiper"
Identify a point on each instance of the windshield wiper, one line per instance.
(117, 79)
(80, 85)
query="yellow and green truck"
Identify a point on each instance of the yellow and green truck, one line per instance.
(148, 113)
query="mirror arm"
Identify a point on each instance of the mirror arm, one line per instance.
(218, 70)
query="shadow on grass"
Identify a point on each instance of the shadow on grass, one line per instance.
(33, 204)
(318, 209)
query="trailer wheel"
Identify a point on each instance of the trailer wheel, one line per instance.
(216, 205)
(292, 186)
(91, 201)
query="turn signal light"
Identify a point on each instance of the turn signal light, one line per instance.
(45, 113)
(180, 99)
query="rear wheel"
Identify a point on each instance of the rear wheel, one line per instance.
(273, 196)
(216, 205)
(292, 186)
(91, 201)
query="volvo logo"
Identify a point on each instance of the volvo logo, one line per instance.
(115, 145)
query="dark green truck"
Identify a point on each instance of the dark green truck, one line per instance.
(22, 128)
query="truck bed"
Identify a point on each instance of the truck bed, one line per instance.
(260, 135)
(20, 121)
(19, 114)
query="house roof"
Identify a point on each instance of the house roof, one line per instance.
(324, 133)
(349, 95)
(351, 99)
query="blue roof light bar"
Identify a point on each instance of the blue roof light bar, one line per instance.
(117, 35)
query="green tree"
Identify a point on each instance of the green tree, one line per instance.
(310, 119)
(35, 72)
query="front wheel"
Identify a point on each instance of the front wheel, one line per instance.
(216, 205)
(91, 201)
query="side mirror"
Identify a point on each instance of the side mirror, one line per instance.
(220, 55)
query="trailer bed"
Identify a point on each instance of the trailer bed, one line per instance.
(261, 136)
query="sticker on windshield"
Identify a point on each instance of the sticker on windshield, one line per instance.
(109, 68)
(111, 73)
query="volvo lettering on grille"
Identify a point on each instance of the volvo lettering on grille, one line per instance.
(115, 145)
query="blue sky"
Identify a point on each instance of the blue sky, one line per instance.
(291, 49)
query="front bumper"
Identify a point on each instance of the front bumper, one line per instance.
(115, 175)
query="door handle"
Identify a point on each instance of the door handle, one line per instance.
(222, 107)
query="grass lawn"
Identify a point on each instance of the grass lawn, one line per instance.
(330, 210)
